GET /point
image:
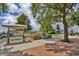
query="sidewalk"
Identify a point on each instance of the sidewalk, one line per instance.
(32, 44)
(23, 46)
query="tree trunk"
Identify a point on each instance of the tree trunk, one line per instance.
(66, 39)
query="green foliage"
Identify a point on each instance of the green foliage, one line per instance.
(46, 26)
(29, 27)
(34, 36)
(55, 35)
(57, 11)
(22, 19)
(74, 17)
(53, 12)
(44, 17)
(4, 6)
(34, 8)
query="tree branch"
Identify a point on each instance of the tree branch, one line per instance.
(55, 16)
(69, 8)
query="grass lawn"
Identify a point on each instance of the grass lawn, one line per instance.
(57, 35)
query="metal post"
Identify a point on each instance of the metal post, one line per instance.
(8, 37)
(23, 36)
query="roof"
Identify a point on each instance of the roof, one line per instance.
(14, 26)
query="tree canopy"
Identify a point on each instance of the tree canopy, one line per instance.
(3, 6)
(54, 12)
(22, 19)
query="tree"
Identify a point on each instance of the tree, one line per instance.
(42, 17)
(58, 10)
(29, 27)
(4, 6)
(74, 17)
(46, 26)
(22, 19)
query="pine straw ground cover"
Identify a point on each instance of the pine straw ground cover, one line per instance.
(51, 49)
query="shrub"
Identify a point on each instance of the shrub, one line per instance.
(46, 26)
(34, 36)
(49, 35)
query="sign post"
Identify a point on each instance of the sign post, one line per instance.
(18, 30)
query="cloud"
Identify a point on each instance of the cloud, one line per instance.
(11, 16)
(8, 19)
(12, 7)
(23, 5)
(14, 12)
(26, 10)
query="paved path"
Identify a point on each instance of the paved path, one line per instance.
(32, 44)
(28, 45)
(23, 46)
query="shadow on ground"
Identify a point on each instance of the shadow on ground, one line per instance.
(51, 49)
(69, 49)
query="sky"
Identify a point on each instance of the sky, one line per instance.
(11, 16)
(14, 11)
